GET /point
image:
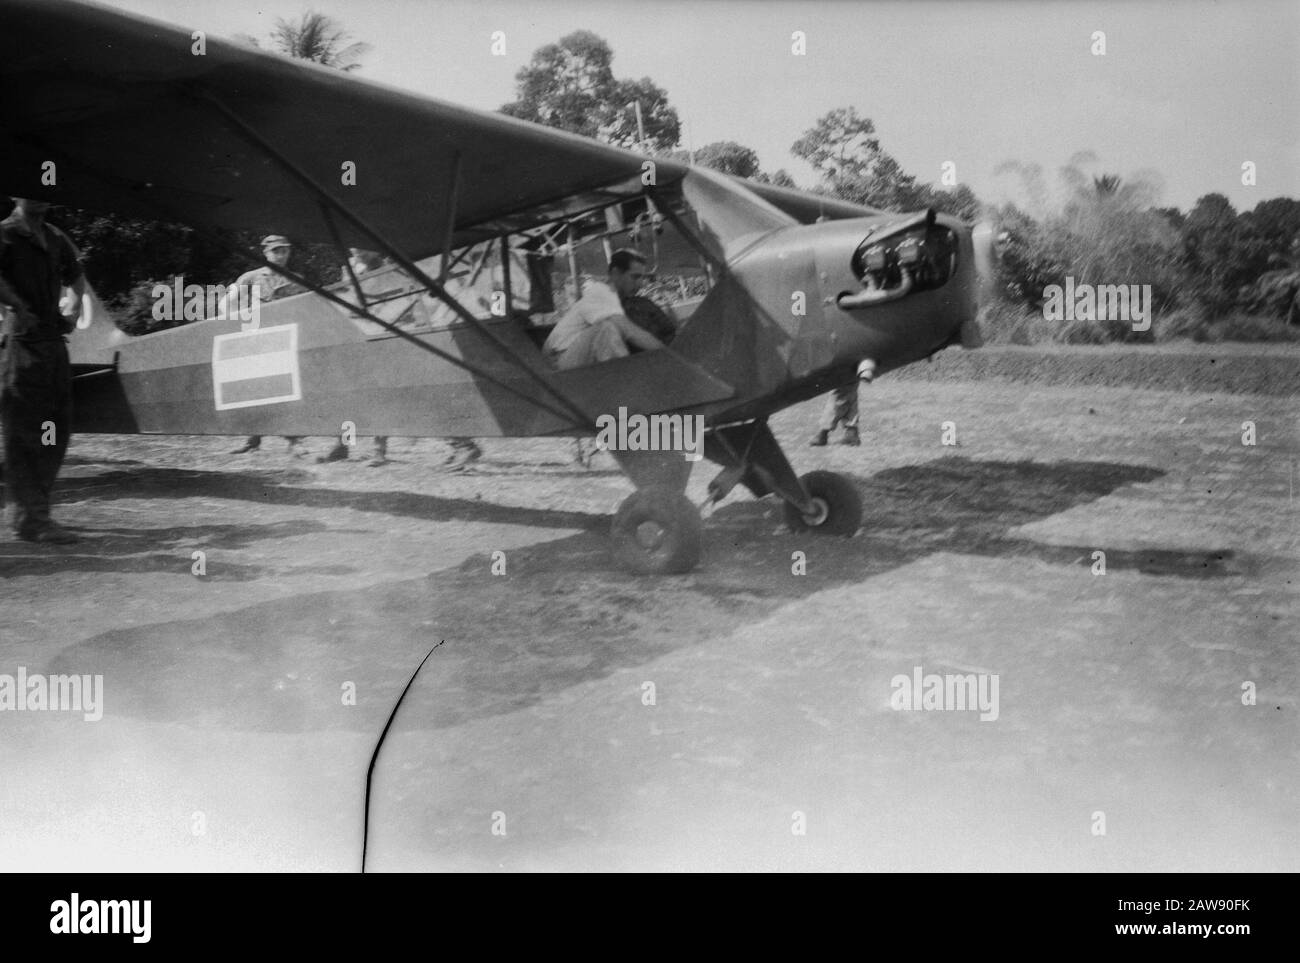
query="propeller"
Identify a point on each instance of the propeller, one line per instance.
(988, 240)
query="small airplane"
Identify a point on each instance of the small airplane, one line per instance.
(774, 295)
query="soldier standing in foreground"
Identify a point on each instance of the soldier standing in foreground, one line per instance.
(36, 262)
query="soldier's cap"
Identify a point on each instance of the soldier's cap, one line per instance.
(274, 240)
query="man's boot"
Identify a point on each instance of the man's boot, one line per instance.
(850, 437)
(819, 439)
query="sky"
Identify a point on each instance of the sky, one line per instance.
(1185, 93)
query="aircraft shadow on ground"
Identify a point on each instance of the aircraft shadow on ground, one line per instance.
(160, 550)
(564, 614)
(268, 488)
(168, 549)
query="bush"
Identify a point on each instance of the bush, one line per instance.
(1190, 322)
(133, 313)
(1275, 294)
(1194, 323)
(1246, 327)
(1008, 322)
(1085, 332)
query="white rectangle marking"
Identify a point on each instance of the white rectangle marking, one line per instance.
(252, 363)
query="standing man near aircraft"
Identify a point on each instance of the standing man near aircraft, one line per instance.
(841, 408)
(267, 285)
(36, 262)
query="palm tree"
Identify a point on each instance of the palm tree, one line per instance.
(1107, 185)
(320, 39)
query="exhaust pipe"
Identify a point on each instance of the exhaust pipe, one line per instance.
(874, 296)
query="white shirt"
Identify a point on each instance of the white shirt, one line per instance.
(598, 302)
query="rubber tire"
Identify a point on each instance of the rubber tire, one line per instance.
(842, 498)
(679, 550)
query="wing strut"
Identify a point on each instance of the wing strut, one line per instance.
(343, 256)
(577, 416)
(453, 192)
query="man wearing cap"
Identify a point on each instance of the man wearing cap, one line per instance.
(37, 261)
(267, 285)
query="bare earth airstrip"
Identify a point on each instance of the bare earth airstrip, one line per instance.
(527, 742)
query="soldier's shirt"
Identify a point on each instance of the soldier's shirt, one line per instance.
(268, 284)
(37, 269)
(598, 302)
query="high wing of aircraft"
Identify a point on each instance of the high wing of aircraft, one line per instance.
(789, 294)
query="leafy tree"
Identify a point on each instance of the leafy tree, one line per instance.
(1275, 294)
(565, 84)
(1209, 255)
(842, 147)
(1262, 263)
(658, 117)
(1275, 225)
(729, 157)
(1174, 216)
(780, 177)
(571, 85)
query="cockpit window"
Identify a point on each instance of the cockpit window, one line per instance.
(547, 270)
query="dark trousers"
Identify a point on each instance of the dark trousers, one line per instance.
(36, 413)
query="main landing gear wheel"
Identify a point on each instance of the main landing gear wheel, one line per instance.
(657, 531)
(837, 501)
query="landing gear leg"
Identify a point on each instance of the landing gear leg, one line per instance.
(820, 501)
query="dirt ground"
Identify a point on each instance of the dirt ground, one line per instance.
(527, 742)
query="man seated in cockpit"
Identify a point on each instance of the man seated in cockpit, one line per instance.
(596, 328)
